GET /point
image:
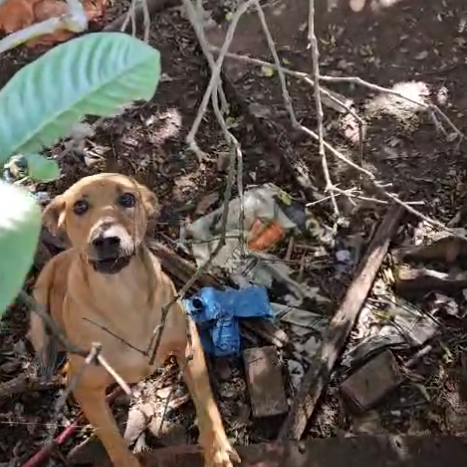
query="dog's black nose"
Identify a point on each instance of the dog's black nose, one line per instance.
(107, 246)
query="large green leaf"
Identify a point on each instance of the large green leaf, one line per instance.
(20, 224)
(41, 169)
(96, 74)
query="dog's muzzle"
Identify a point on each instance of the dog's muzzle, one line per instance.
(111, 248)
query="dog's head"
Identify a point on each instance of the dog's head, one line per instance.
(105, 216)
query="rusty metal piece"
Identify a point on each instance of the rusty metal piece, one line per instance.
(265, 383)
(373, 381)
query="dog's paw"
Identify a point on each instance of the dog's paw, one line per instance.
(220, 454)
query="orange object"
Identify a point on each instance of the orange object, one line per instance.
(19, 14)
(264, 236)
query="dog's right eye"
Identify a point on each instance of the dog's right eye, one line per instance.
(80, 207)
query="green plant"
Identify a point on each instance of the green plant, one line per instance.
(96, 74)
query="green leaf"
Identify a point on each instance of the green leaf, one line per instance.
(96, 74)
(20, 224)
(41, 169)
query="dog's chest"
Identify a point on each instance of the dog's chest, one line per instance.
(124, 331)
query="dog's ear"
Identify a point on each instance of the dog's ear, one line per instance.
(149, 200)
(53, 215)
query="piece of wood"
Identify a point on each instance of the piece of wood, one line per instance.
(24, 384)
(180, 269)
(357, 451)
(265, 382)
(412, 281)
(447, 249)
(316, 378)
(153, 7)
(374, 380)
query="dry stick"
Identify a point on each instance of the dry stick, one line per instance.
(211, 93)
(24, 384)
(342, 79)
(431, 108)
(316, 378)
(319, 108)
(215, 75)
(152, 6)
(337, 153)
(157, 333)
(116, 336)
(197, 23)
(288, 101)
(299, 75)
(199, 30)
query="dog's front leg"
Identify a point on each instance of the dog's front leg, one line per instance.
(97, 411)
(216, 448)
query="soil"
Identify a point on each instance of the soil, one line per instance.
(411, 41)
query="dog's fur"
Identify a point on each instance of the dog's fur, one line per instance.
(109, 279)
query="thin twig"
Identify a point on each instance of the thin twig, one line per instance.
(432, 109)
(215, 75)
(71, 386)
(234, 153)
(319, 108)
(336, 153)
(108, 331)
(196, 19)
(35, 307)
(118, 379)
(157, 333)
(68, 346)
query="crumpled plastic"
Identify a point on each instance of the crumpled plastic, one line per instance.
(217, 312)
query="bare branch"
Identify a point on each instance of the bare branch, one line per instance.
(215, 75)
(319, 108)
(433, 110)
(234, 154)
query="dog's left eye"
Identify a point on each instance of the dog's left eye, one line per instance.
(127, 200)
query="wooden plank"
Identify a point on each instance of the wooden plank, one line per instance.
(317, 377)
(384, 451)
(265, 382)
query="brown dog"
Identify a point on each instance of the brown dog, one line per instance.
(109, 279)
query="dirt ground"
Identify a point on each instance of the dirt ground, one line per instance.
(423, 43)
